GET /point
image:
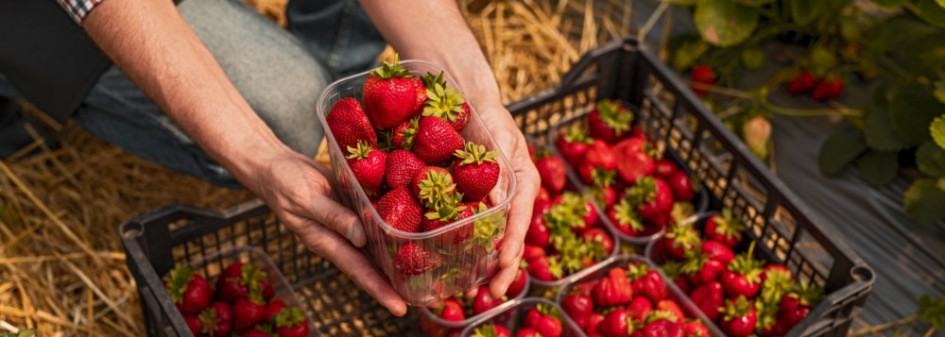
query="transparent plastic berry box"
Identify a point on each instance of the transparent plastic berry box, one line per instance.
(446, 325)
(511, 318)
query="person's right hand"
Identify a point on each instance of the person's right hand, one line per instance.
(297, 189)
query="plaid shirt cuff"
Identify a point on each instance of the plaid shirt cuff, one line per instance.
(78, 9)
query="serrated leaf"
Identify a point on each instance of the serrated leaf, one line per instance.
(879, 131)
(923, 201)
(937, 130)
(931, 12)
(878, 168)
(805, 12)
(841, 147)
(931, 159)
(911, 111)
(723, 22)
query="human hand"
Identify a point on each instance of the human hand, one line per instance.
(297, 189)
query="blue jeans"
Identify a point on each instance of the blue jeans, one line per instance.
(279, 71)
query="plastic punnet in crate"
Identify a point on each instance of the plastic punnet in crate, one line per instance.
(512, 318)
(445, 326)
(466, 262)
(673, 293)
(676, 119)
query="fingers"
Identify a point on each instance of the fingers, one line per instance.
(501, 281)
(520, 214)
(336, 249)
(323, 209)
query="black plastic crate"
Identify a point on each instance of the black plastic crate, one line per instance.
(785, 228)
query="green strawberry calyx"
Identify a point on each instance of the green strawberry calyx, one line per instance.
(729, 226)
(251, 278)
(475, 154)
(672, 269)
(656, 315)
(444, 103)
(637, 271)
(808, 294)
(766, 314)
(548, 311)
(486, 229)
(289, 317)
(626, 214)
(615, 115)
(642, 192)
(777, 283)
(684, 236)
(682, 212)
(431, 80)
(734, 309)
(577, 135)
(409, 133)
(177, 281)
(448, 209)
(391, 70)
(208, 320)
(361, 151)
(746, 265)
(603, 177)
(487, 330)
(694, 262)
(436, 188)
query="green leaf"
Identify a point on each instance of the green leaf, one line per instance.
(931, 160)
(932, 311)
(822, 60)
(924, 199)
(878, 168)
(937, 130)
(939, 91)
(879, 131)
(941, 3)
(911, 110)
(806, 12)
(931, 12)
(753, 58)
(841, 148)
(725, 23)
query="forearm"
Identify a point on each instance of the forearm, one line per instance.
(436, 31)
(154, 47)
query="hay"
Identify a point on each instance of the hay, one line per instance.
(62, 269)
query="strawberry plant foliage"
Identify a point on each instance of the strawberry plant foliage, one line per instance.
(932, 311)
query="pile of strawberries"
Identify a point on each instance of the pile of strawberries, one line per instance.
(242, 304)
(631, 301)
(825, 88)
(405, 149)
(458, 308)
(540, 321)
(640, 191)
(743, 294)
(565, 234)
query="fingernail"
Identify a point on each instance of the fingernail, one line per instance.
(356, 236)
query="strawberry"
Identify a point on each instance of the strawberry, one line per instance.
(653, 198)
(664, 168)
(617, 323)
(593, 322)
(436, 140)
(545, 321)
(447, 104)
(527, 332)
(767, 318)
(552, 172)
(537, 234)
(239, 280)
(646, 282)
(615, 289)
(827, 88)
(681, 185)
(599, 159)
(216, 320)
(709, 298)
(624, 216)
(403, 134)
(291, 323)
(414, 259)
(400, 210)
(433, 185)
(673, 271)
(640, 308)
(601, 236)
(756, 132)
(573, 145)
(247, 313)
(775, 268)
(451, 310)
(402, 167)
(484, 301)
(349, 124)
(194, 324)
(803, 82)
(259, 331)
(610, 121)
(702, 74)
(717, 251)
(797, 304)
(533, 252)
(447, 212)
(671, 308)
(491, 330)
(695, 328)
(589, 215)
(725, 229)
(475, 171)
(634, 166)
(775, 283)
(432, 329)
(743, 276)
(545, 269)
(662, 324)
(273, 308)
(368, 165)
(392, 95)
(700, 269)
(579, 307)
(605, 195)
(190, 292)
(518, 283)
(739, 317)
(679, 240)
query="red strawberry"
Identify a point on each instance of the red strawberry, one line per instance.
(368, 165)
(653, 198)
(402, 167)
(797, 304)
(291, 323)
(725, 229)
(671, 308)
(436, 140)
(349, 124)
(617, 323)
(679, 240)
(606, 196)
(624, 216)
(475, 171)
(615, 289)
(640, 308)
(599, 159)
(545, 321)
(484, 301)
(681, 185)
(247, 313)
(579, 307)
(673, 271)
(743, 276)
(589, 215)
(190, 292)
(517, 285)
(767, 318)
(827, 88)
(400, 210)
(451, 310)
(527, 332)
(533, 252)
(413, 259)
(775, 268)
(259, 331)
(803, 82)
(537, 233)
(739, 318)
(634, 165)
(552, 172)
(665, 168)
(392, 95)
(573, 145)
(194, 324)
(695, 328)
(709, 298)
(601, 236)
(491, 330)
(545, 269)
(216, 320)
(702, 74)
(593, 322)
(447, 104)
(448, 211)
(646, 282)
(717, 251)
(700, 269)
(775, 283)
(610, 121)
(433, 185)
(239, 280)
(661, 324)
(273, 308)
(403, 134)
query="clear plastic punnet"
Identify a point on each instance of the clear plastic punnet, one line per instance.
(468, 248)
(511, 317)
